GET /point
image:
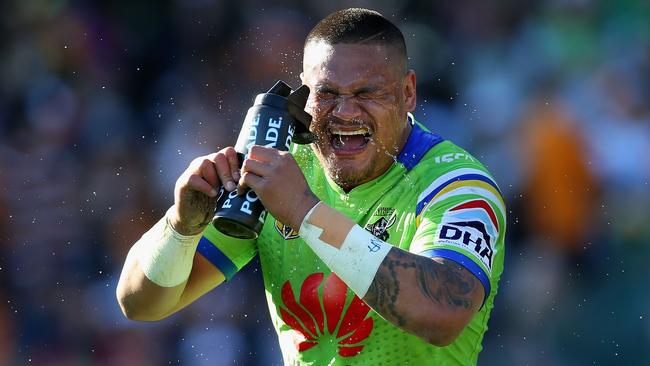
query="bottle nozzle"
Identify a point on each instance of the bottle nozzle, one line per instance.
(280, 88)
(297, 101)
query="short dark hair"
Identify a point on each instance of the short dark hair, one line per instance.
(358, 26)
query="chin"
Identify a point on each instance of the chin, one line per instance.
(347, 182)
(347, 176)
(346, 170)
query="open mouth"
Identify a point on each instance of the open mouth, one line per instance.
(349, 140)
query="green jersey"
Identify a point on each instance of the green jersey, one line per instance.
(436, 200)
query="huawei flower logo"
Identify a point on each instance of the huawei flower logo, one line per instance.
(321, 322)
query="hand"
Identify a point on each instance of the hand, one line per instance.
(279, 183)
(195, 194)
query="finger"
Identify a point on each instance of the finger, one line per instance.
(197, 183)
(223, 171)
(233, 161)
(262, 153)
(209, 172)
(251, 180)
(256, 167)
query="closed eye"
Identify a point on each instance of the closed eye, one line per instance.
(368, 93)
(329, 93)
(326, 92)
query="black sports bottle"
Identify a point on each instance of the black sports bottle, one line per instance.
(275, 120)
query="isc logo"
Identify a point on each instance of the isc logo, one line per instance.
(471, 234)
(448, 158)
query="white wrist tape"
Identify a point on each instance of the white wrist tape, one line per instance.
(351, 252)
(164, 255)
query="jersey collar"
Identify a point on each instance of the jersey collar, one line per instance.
(420, 141)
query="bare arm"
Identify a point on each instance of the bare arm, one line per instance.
(139, 294)
(141, 299)
(432, 298)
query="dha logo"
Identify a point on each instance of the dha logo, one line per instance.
(471, 225)
(471, 234)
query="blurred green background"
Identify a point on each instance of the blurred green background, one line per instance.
(103, 104)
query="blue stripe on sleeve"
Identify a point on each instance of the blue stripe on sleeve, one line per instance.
(217, 258)
(463, 260)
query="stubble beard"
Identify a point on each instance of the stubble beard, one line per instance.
(346, 177)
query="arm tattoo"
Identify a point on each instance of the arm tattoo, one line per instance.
(444, 283)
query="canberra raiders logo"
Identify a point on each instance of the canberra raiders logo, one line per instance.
(379, 228)
(284, 230)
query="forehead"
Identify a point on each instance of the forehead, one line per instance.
(345, 64)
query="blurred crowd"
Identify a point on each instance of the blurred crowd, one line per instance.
(103, 105)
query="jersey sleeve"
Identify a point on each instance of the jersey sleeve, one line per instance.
(461, 216)
(228, 254)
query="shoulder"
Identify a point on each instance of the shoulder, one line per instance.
(431, 159)
(449, 170)
(448, 174)
(460, 212)
(448, 160)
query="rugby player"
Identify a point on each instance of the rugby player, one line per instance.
(384, 242)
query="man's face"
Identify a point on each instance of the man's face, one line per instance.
(359, 98)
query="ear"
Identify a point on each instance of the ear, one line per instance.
(410, 97)
(302, 78)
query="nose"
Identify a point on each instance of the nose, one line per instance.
(346, 108)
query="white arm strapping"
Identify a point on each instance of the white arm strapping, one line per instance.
(164, 255)
(356, 260)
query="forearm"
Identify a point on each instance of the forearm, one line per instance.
(431, 299)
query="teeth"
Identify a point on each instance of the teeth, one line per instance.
(350, 133)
